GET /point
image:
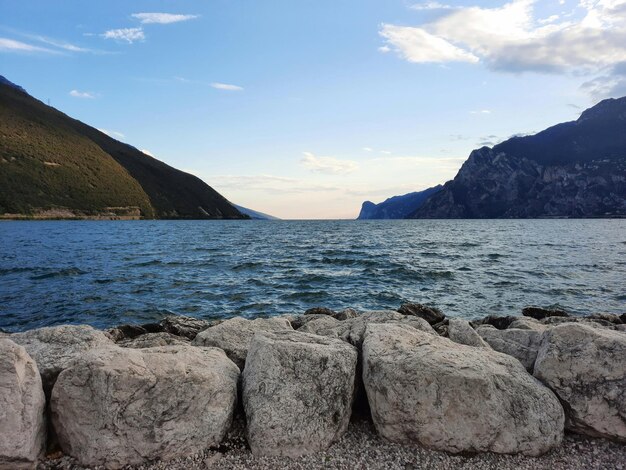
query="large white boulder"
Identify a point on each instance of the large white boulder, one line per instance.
(297, 392)
(352, 330)
(22, 405)
(235, 334)
(522, 344)
(121, 406)
(460, 331)
(456, 398)
(586, 368)
(54, 347)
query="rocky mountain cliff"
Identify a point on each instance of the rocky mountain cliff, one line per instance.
(54, 166)
(397, 207)
(574, 169)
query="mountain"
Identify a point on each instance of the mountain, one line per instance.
(256, 215)
(574, 169)
(54, 166)
(397, 207)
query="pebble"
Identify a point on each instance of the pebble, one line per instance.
(362, 448)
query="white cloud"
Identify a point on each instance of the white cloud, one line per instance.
(226, 86)
(431, 6)
(328, 165)
(128, 35)
(368, 149)
(82, 94)
(510, 38)
(11, 45)
(418, 45)
(481, 111)
(60, 44)
(112, 133)
(162, 18)
(549, 19)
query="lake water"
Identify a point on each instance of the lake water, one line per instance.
(106, 273)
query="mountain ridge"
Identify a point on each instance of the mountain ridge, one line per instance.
(572, 169)
(52, 163)
(396, 207)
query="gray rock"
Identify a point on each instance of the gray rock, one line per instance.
(608, 317)
(320, 311)
(22, 405)
(353, 329)
(539, 313)
(346, 314)
(298, 321)
(431, 314)
(429, 390)
(234, 335)
(297, 392)
(521, 344)
(586, 368)
(460, 331)
(527, 323)
(119, 406)
(54, 347)
(186, 327)
(152, 340)
(499, 322)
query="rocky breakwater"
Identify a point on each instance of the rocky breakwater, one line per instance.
(139, 394)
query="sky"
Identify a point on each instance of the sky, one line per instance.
(305, 109)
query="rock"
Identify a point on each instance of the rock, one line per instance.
(152, 340)
(186, 327)
(346, 314)
(539, 313)
(442, 327)
(501, 323)
(431, 314)
(521, 344)
(53, 348)
(22, 405)
(607, 317)
(559, 320)
(342, 315)
(126, 332)
(586, 368)
(297, 392)
(623, 318)
(177, 325)
(234, 335)
(320, 311)
(353, 329)
(460, 331)
(527, 323)
(455, 398)
(119, 406)
(298, 321)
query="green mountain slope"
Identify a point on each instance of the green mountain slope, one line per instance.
(51, 162)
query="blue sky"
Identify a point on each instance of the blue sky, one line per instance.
(304, 109)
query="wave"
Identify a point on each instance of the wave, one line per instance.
(59, 273)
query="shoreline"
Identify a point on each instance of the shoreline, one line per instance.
(301, 399)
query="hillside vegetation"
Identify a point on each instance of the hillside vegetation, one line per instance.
(50, 162)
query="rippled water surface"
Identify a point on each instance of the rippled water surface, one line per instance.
(106, 273)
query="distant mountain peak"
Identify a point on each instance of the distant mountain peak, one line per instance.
(572, 169)
(4, 81)
(609, 108)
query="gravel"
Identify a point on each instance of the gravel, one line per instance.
(361, 448)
